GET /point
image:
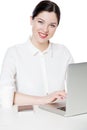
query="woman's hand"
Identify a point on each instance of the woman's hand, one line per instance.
(58, 95)
(23, 99)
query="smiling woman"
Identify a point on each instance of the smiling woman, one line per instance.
(43, 28)
(34, 72)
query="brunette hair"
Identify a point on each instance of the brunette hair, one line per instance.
(46, 5)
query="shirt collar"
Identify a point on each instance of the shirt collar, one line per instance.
(34, 51)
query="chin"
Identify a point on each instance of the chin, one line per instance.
(41, 41)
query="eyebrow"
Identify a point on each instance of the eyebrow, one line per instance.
(44, 21)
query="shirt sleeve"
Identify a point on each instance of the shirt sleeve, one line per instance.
(69, 57)
(69, 60)
(7, 79)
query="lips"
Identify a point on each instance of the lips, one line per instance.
(43, 35)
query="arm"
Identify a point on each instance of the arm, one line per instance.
(23, 99)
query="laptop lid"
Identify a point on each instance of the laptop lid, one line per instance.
(77, 89)
(76, 84)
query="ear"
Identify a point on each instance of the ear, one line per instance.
(31, 20)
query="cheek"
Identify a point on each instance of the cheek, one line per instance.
(35, 28)
(52, 32)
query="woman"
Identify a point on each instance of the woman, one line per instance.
(34, 72)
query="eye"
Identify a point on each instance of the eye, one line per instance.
(53, 25)
(41, 22)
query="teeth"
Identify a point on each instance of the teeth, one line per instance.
(43, 35)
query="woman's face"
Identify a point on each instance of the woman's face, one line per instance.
(44, 26)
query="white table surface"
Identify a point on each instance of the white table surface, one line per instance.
(40, 120)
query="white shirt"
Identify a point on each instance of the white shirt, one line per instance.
(28, 70)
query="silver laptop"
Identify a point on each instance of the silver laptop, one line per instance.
(76, 84)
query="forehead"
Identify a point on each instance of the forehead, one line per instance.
(47, 16)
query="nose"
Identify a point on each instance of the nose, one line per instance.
(45, 28)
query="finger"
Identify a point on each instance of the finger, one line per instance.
(54, 99)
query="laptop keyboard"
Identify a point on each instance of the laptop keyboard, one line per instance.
(62, 108)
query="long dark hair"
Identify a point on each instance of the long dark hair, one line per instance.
(46, 5)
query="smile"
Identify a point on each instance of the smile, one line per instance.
(42, 35)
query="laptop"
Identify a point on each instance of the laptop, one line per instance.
(76, 84)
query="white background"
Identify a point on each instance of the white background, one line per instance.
(15, 25)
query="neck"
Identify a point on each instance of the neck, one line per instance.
(40, 46)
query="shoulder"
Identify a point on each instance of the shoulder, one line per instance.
(14, 52)
(16, 48)
(60, 47)
(62, 50)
